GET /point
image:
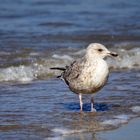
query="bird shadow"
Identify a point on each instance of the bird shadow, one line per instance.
(87, 106)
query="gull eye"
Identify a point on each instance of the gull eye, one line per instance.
(100, 50)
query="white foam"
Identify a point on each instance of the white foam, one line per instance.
(21, 73)
(135, 109)
(114, 122)
(64, 57)
(126, 59)
(117, 120)
(24, 74)
(63, 131)
(123, 117)
(41, 69)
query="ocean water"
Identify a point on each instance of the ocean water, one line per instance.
(38, 34)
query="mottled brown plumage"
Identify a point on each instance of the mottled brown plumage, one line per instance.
(88, 74)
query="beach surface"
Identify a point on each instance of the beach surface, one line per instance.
(36, 35)
(125, 132)
(128, 131)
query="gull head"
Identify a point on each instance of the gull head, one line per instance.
(96, 50)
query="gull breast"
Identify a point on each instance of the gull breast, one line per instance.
(95, 75)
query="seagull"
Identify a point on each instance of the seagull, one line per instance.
(88, 74)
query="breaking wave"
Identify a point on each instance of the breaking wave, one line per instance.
(33, 65)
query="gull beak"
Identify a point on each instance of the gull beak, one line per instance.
(113, 54)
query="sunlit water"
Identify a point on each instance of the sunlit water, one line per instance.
(38, 34)
(47, 108)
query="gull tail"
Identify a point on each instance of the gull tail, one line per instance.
(58, 68)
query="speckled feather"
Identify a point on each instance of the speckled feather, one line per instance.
(81, 76)
(88, 74)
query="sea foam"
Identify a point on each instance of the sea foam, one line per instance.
(38, 64)
(63, 131)
(117, 120)
(135, 109)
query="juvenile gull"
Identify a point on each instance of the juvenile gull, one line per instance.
(88, 74)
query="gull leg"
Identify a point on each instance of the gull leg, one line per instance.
(81, 103)
(92, 103)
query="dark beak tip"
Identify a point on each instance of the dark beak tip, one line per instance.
(114, 54)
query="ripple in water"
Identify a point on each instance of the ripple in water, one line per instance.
(46, 109)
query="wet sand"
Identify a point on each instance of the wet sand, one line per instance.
(129, 131)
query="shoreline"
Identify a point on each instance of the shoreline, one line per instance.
(125, 132)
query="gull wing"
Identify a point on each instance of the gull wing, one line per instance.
(73, 71)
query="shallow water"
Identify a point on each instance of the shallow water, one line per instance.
(43, 109)
(38, 34)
